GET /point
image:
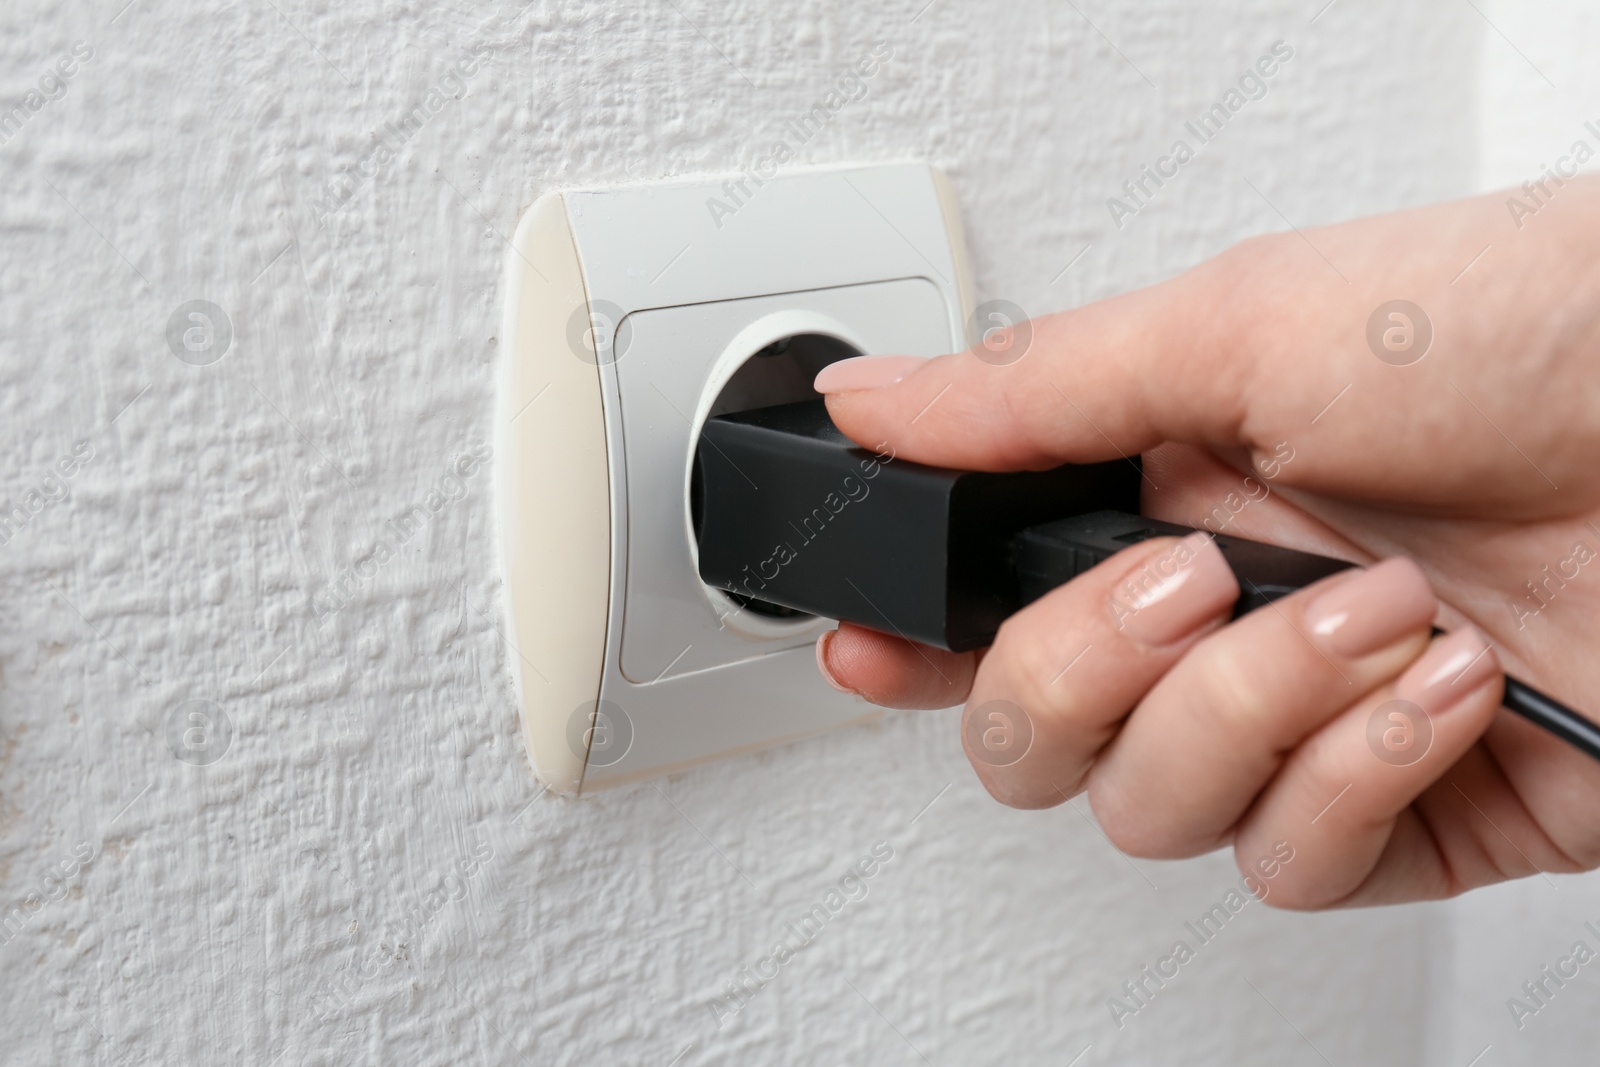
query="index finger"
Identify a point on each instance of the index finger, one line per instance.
(1107, 380)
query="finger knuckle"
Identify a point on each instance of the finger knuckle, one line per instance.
(1142, 829)
(1016, 792)
(1031, 660)
(1226, 686)
(1133, 827)
(1290, 892)
(1128, 828)
(1260, 264)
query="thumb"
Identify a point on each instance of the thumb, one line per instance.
(1111, 379)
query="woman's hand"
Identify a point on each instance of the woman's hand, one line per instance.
(1279, 393)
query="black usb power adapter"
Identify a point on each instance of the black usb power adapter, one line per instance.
(792, 517)
(790, 512)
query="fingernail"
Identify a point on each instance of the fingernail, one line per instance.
(1174, 593)
(1450, 670)
(822, 663)
(865, 372)
(1373, 609)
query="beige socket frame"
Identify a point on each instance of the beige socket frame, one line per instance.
(587, 256)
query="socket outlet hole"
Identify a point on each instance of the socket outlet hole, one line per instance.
(780, 373)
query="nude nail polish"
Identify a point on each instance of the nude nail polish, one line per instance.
(1372, 609)
(1172, 594)
(865, 372)
(1450, 670)
(822, 662)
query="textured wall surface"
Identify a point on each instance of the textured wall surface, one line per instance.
(351, 862)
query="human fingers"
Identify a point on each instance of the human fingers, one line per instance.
(1213, 732)
(1096, 382)
(891, 671)
(1344, 796)
(1062, 673)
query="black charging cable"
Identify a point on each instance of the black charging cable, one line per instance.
(792, 517)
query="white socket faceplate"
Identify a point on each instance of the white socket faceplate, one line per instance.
(626, 665)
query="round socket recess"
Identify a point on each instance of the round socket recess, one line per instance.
(777, 372)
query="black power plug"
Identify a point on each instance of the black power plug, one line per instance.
(791, 512)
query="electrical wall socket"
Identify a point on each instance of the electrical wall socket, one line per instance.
(633, 314)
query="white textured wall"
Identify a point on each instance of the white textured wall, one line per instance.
(374, 755)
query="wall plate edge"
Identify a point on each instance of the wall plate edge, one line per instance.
(712, 176)
(866, 718)
(557, 459)
(950, 208)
